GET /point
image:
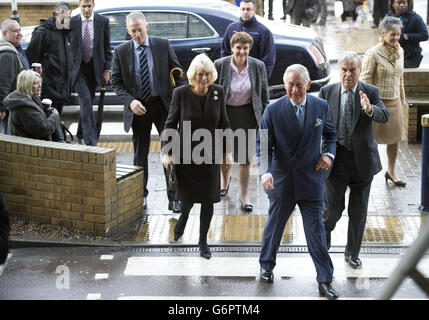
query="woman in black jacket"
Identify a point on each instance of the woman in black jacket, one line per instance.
(414, 31)
(198, 108)
(27, 118)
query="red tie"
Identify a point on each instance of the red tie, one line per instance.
(87, 54)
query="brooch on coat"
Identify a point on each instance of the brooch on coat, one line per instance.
(215, 95)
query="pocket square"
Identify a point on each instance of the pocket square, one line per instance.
(317, 123)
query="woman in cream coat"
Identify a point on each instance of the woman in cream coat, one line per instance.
(383, 66)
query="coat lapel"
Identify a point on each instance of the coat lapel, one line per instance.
(309, 120)
(131, 64)
(357, 108)
(155, 58)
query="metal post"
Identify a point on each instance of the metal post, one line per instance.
(425, 165)
(407, 267)
(15, 15)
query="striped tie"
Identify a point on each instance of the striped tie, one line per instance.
(144, 75)
(87, 54)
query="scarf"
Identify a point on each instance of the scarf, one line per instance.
(392, 52)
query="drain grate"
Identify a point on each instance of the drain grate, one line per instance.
(256, 249)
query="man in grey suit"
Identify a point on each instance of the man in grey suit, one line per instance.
(354, 106)
(90, 42)
(140, 76)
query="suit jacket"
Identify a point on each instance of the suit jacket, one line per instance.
(290, 156)
(365, 150)
(123, 78)
(258, 82)
(102, 52)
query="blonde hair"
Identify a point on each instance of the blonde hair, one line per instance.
(24, 83)
(201, 63)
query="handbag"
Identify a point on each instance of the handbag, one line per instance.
(172, 179)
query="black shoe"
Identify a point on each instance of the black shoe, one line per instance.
(267, 276)
(224, 192)
(321, 23)
(175, 206)
(328, 239)
(246, 207)
(270, 17)
(283, 18)
(353, 262)
(326, 290)
(204, 250)
(144, 202)
(179, 228)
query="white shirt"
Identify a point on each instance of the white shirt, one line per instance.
(90, 26)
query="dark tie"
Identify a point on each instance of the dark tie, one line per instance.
(86, 56)
(347, 119)
(300, 116)
(144, 75)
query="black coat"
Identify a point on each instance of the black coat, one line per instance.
(27, 119)
(4, 229)
(51, 47)
(197, 183)
(102, 52)
(416, 31)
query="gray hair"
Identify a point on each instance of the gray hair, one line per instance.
(297, 69)
(24, 82)
(389, 23)
(201, 63)
(350, 56)
(5, 25)
(135, 15)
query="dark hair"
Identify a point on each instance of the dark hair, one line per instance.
(250, 1)
(409, 2)
(242, 37)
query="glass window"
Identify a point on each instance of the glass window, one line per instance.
(118, 25)
(198, 28)
(170, 25)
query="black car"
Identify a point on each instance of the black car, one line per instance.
(195, 26)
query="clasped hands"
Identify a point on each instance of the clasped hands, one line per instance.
(168, 159)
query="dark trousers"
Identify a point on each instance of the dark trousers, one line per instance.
(156, 114)
(85, 87)
(346, 14)
(344, 174)
(381, 7)
(4, 229)
(311, 211)
(206, 215)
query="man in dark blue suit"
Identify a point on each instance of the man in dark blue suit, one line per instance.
(296, 144)
(92, 55)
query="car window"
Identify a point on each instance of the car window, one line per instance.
(170, 25)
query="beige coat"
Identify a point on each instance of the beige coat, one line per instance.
(388, 76)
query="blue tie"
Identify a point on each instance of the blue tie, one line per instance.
(144, 75)
(300, 117)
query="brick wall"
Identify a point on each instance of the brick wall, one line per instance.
(29, 14)
(416, 83)
(68, 185)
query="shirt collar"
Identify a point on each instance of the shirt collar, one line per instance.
(343, 90)
(234, 67)
(91, 18)
(302, 103)
(145, 44)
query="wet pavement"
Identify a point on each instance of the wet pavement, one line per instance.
(144, 262)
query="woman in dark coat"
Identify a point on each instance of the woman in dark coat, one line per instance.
(26, 115)
(196, 108)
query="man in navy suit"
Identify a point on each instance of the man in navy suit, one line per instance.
(92, 55)
(296, 144)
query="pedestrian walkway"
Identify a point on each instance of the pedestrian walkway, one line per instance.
(393, 215)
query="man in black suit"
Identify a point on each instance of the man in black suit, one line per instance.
(354, 106)
(90, 42)
(140, 76)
